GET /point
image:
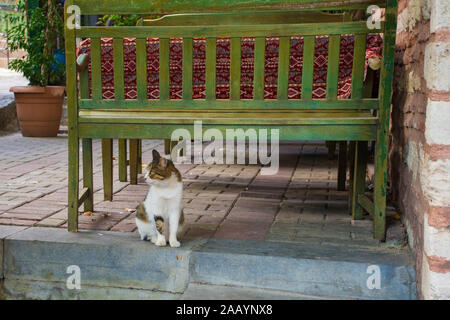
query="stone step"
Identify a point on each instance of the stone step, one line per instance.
(197, 291)
(37, 261)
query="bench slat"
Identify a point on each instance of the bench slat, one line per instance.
(344, 132)
(227, 18)
(333, 66)
(259, 70)
(235, 68)
(308, 67)
(266, 30)
(232, 118)
(118, 69)
(283, 67)
(187, 68)
(141, 69)
(96, 69)
(210, 76)
(155, 7)
(164, 65)
(84, 83)
(359, 56)
(243, 104)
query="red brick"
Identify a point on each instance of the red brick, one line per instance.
(244, 215)
(439, 217)
(242, 230)
(24, 216)
(124, 227)
(441, 35)
(195, 232)
(17, 222)
(438, 264)
(97, 217)
(209, 219)
(437, 151)
(35, 210)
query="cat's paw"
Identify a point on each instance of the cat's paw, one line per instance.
(161, 242)
(144, 237)
(174, 243)
(154, 239)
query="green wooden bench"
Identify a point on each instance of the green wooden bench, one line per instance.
(330, 119)
(233, 19)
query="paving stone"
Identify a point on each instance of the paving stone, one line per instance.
(194, 211)
(17, 222)
(25, 216)
(242, 230)
(197, 232)
(296, 205)
(50, 222)
(60, 215)
(127, 225)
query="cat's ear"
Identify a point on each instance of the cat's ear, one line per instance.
(156, 155)
(163, 162)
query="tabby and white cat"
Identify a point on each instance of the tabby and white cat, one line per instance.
(159, 216)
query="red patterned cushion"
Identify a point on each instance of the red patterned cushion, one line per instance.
(374, 42)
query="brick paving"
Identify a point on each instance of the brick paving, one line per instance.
(298, 204)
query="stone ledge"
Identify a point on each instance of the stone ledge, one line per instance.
(6, 231)
(115, 264)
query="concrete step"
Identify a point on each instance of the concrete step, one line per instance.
(196, 291)
(118, 265)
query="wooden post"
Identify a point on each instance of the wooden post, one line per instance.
(123, 160)
(167, 146)
(381, 148)
(107, 147)
(133, 160)
(359, 178)
(342, 169)
(139, 157)
(88, 178)
(331, 145)
(72, 112)
(351, 167)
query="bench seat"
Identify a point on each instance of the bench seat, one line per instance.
(269, 117)
(293, 125)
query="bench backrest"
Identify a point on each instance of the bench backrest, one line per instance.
(260, 19)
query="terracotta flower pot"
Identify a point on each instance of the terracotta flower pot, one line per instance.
(39, 109)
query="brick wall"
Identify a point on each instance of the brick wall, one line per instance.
(420, 140)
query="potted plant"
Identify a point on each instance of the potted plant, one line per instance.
(40, 33)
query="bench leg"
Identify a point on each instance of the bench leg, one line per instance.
(359, 178)
(351, 167)
(122, 160)
(379, 194)
(88, 176)
(139, 157)
(107, 147)
(342, 169)
(133, 161)
(72, 210)
(167, 146)
(331, 145)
